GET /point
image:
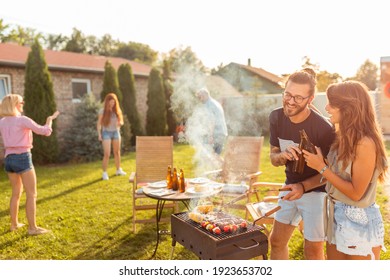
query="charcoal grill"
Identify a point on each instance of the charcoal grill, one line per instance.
(241, 245)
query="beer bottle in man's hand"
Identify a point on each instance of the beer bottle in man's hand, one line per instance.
(305, 144)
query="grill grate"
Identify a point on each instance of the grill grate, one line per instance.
(222, 217)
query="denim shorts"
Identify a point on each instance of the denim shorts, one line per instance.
(309, 208)
(18, 163)
(357, 230)
(110, 135)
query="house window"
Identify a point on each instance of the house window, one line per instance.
(5, 85)
(80, 87)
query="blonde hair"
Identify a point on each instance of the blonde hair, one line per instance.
(8, 105)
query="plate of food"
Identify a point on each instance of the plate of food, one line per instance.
(158, 185)
(198, 189)
(199, 180)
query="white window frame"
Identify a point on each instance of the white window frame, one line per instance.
(86, 81)
(6, 81)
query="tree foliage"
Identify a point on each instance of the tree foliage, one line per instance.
(77, 42)
(136, 51)
(19, 34)
(181, 57)
(324, 79)
(367, 74)
(156, 115)
(40, 103)
(81, 142)
(110, 82)
(106, 45)
(4, 37)
(55, 42)
(127, 87)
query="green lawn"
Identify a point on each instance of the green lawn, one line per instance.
(91, 219)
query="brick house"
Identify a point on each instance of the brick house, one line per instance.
(73, 75)
(249, 79)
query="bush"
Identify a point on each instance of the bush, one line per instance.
(81, 142)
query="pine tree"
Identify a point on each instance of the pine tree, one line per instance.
(110, 82)
(40, 103)
(126, 85)
(168, 89)
(156, 115)
(81, 142)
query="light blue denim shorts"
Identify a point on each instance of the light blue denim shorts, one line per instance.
(308, 208)
(18, 163)
(110, 135)
(357, 230)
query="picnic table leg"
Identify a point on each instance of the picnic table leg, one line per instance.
(159, 209)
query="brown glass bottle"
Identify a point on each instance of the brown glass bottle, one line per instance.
(305, 144)
(182, 182)
(169, 177)
(175, 181)
(308, 146)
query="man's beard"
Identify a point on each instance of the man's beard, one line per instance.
(291, 112)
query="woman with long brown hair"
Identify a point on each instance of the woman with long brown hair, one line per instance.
(108, 126)
(356, 162)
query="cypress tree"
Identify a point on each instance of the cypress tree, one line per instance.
(168, 89)
(110, 82)
(156, 115)
(126, 85)
(40, 103)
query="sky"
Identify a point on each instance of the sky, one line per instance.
(338, 35)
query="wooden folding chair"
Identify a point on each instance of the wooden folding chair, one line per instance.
(263, 211)
(153, 155)
(240, 170)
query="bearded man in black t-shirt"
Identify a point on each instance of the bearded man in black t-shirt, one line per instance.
(296, 114)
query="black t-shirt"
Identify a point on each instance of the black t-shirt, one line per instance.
(319, 130)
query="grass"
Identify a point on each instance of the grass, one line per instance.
(90, 219)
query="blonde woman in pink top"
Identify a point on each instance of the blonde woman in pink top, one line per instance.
(16, 131)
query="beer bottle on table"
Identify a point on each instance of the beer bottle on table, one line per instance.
(175, 181)
(169, 177)
(182, 182)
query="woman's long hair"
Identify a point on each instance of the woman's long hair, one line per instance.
(357, 120)
(107, 110)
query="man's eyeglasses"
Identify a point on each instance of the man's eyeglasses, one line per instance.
(297, 98)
